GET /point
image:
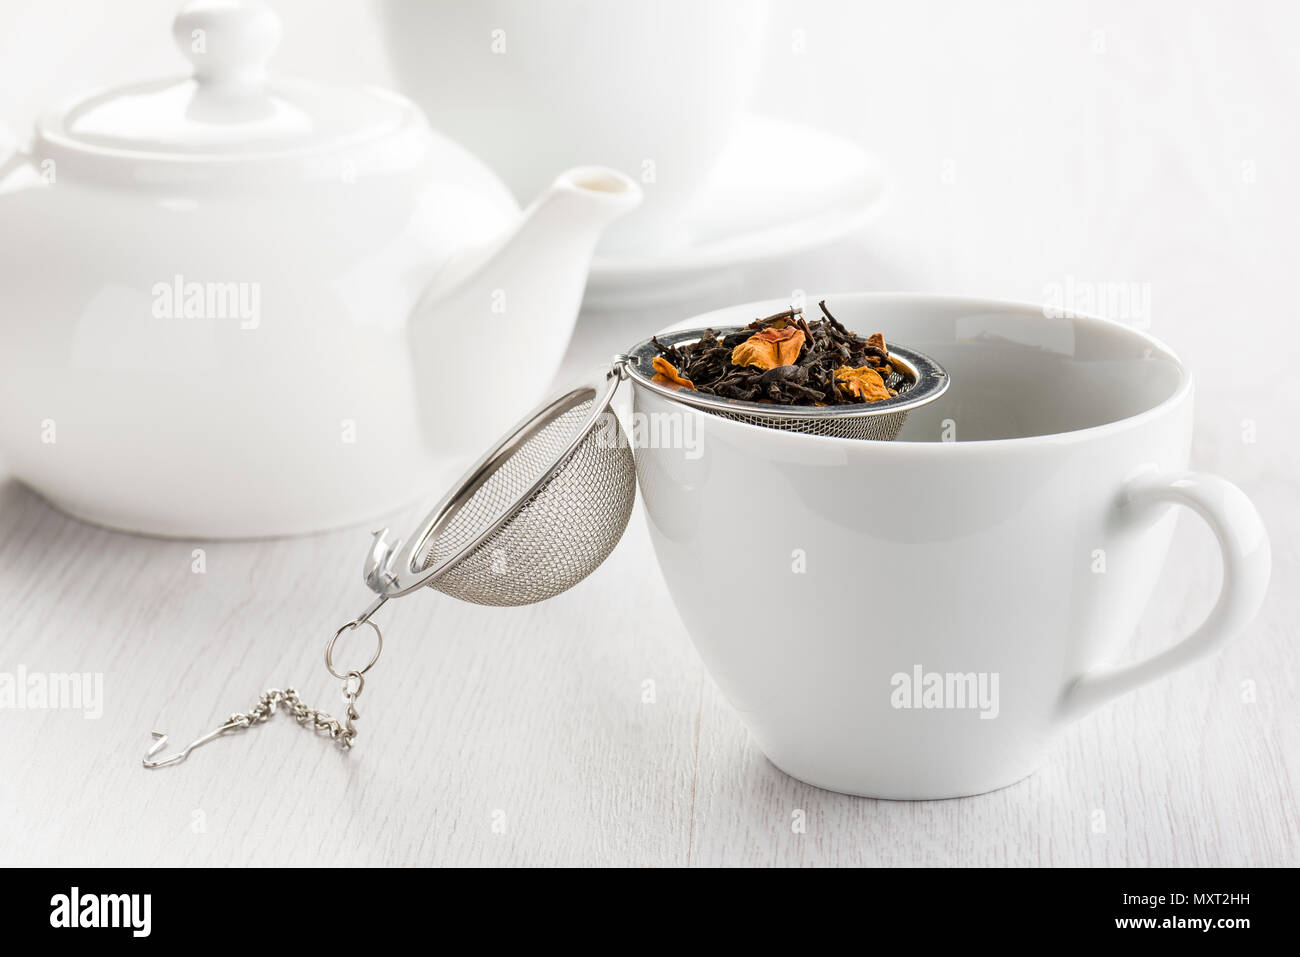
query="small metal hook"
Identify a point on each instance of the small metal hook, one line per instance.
(160, 742)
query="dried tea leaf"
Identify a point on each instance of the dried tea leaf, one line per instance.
(863, 382)
(666, 374)
(766, 361)
(770, 348)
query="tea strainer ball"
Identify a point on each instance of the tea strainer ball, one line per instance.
(548, 503)
(544, 508)
(533, 517)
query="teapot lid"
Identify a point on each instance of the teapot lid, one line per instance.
(228, 108)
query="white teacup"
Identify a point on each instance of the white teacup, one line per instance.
(919, 618)
(651, 88)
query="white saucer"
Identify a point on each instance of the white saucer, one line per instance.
(778, 189)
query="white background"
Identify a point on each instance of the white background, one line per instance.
(1028, 145)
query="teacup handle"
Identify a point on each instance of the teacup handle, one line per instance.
(1247, 560)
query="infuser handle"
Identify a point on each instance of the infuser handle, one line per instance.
(1247, 561)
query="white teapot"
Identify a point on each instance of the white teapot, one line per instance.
(237, 305)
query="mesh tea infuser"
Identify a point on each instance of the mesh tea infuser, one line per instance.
(547, 504)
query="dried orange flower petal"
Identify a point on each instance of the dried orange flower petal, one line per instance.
(769, 348)
(666, 374)
(864, 382)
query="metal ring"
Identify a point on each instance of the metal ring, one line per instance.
(618, 366)
(329, 649)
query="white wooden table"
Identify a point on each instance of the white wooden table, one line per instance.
(523, 736)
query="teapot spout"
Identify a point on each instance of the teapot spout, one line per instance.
(504, 315)
(542, 263)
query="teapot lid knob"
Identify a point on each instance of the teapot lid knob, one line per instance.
(227, 41)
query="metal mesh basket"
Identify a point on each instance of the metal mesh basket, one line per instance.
(545, 507)
(560, 533)
(533, 517)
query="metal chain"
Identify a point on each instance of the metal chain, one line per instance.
(272, 700)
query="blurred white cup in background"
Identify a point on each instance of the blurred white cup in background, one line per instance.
(654, 89)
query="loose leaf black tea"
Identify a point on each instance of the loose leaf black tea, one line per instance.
(784, 360)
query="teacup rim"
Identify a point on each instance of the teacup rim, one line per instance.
(761, 307)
